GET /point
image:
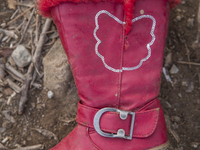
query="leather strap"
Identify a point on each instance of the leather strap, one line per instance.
(144, 126)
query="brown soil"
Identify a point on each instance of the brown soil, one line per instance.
(180, 102)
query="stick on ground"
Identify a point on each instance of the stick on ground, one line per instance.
(36, 57)
(25, 88)
(188, 63)
(20, 15)
(22, 37)
(41, 41)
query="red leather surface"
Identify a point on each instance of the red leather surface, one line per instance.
(111, 123)
(97, 86)
(105, 81)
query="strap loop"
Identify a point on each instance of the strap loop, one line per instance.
(145, 122)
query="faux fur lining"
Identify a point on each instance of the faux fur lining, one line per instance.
(173, 3)
(44, 7)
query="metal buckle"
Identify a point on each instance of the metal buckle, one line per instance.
(120, 133)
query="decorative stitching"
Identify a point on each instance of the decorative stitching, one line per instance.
(155, 124)
(123, 23)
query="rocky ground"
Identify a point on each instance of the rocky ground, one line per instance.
(49, 118)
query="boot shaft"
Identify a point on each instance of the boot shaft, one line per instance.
(114, 69)
(111, 68)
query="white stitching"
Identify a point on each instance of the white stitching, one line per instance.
(121, 22)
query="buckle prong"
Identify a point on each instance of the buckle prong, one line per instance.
(120, 133)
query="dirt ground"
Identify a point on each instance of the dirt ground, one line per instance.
(180, 99)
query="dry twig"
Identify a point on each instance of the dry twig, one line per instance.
(13, 15)
(3, 147)
(173, 132)
(188, 54)
(21, 4)
(10, 98)
(196, 44)
(37, 28)
(40, 44)
(34, 147)
(22, 37)
(14, 71)
(47, 133)
(49, 32)
(9, 33)
(25, 88)
(69, 121)
(14, 76)
(8, 117)
(19, 16)
(50, 43)
(19, 27)
(14, 86)
(18, 76)
(188, 63)
(34, 77)
(18, 147)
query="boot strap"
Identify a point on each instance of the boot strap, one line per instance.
(142, 123)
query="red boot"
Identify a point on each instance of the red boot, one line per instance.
(117, 70)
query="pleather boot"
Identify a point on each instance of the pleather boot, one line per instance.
(115, 51)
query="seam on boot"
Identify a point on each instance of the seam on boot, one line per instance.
(121, 63)
(148, 104)
(87, 134)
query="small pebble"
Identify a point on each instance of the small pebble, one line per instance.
(24, 142)
(190, 87)
(195, 144)
(180, 95)
(168, 104)
(176, 118)
(178, 18)
(174, 69)
(183, 2)
(175, 126)
(168, 59)
(2, 100)
(33, 105)
(21, 56)
(184, 83)
(8, 91)
(28, 138)
(3, 24)
(50, 94)
(2, 129)
(190, 22)
(179, 148)
(178, 10)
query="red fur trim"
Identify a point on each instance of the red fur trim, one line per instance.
(129, 8)
(173, 3)
(45, 7)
